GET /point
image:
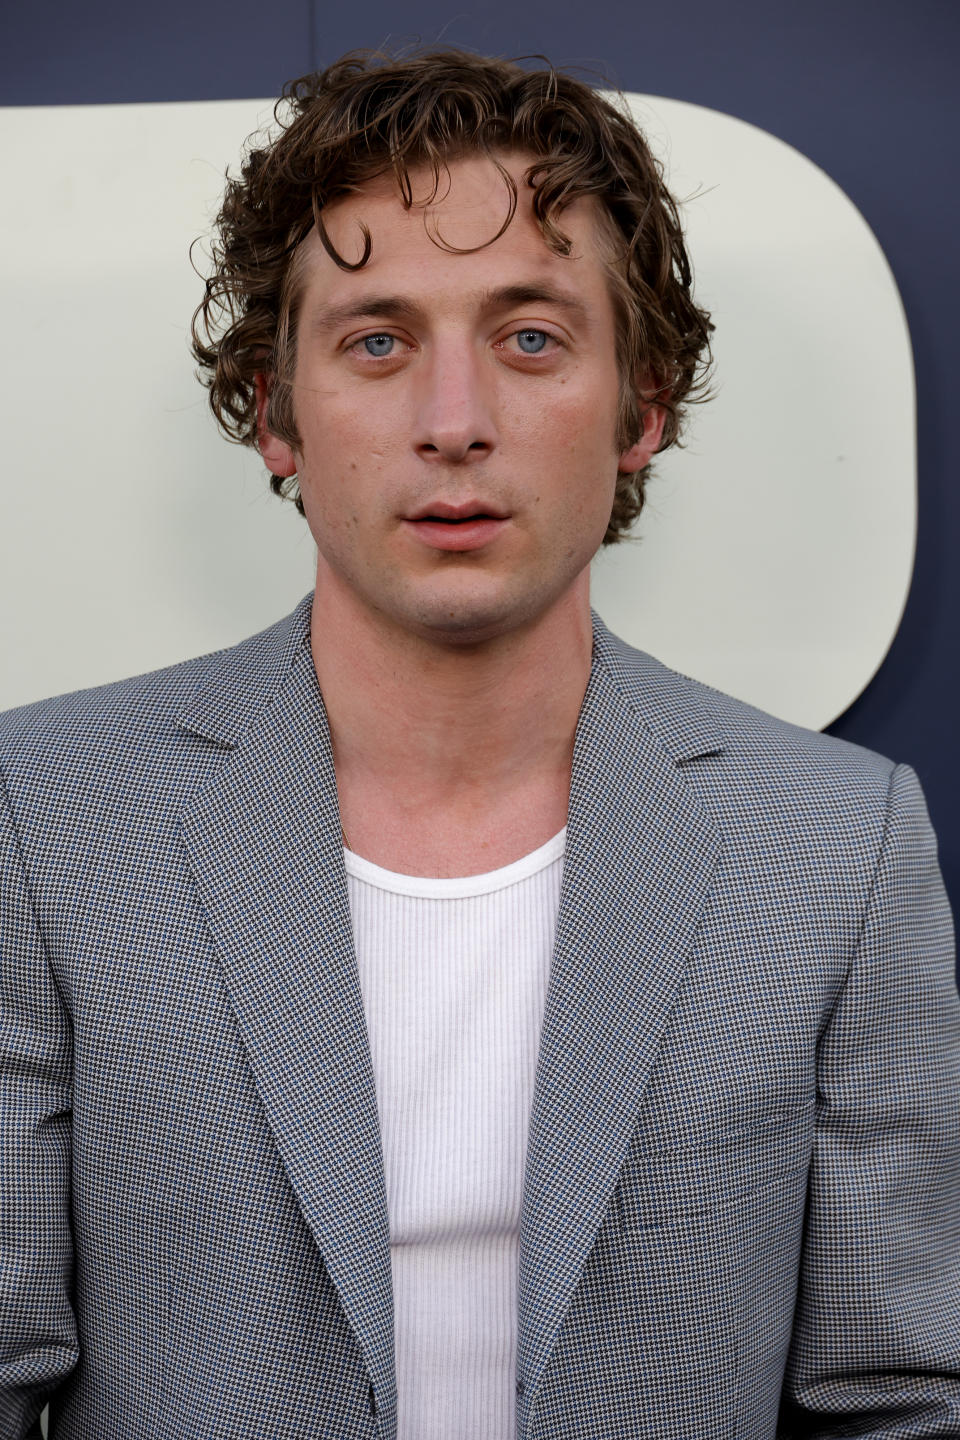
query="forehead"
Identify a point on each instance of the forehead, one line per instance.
(451, 228)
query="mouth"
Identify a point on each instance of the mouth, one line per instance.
(441, 512)
(469, 526)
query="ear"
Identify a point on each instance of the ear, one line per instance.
(641, 453)
(277, 454)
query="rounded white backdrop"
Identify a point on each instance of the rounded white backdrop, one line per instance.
(774, 553)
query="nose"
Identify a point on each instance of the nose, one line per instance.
(454, 419)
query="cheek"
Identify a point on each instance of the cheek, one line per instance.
(588, 474)
(583, 449)
(333, 414)
(575, 418)
(345, 448)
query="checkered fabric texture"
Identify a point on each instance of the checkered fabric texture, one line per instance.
(741, 1211)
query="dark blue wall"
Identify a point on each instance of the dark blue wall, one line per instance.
(867, 90)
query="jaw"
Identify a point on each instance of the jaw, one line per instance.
(448, 597)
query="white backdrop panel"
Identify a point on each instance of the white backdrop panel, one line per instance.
(775, 553)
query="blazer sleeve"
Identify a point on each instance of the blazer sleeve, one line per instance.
(38, 1336)
(876, 1342)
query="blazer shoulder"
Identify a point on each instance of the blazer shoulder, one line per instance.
(145, 707)
(758, 750)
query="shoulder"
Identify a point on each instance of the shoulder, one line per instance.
(116, 711)
(740, 758)
(144, 719)
(801, 815)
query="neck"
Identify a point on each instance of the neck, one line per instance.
(430, 734)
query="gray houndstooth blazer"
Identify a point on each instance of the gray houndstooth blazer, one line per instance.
(741, 1211)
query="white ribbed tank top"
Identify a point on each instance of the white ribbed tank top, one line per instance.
(454, 979)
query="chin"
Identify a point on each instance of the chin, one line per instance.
(472, 620)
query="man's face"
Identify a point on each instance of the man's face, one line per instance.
(457, 412)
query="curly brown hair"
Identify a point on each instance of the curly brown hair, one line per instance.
(372, 113)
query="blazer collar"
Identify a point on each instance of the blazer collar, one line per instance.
(236, 684)
(671, 707)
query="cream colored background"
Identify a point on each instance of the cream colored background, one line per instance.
(776, 550)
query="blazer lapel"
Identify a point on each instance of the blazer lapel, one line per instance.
(265, 845)
(639, 859)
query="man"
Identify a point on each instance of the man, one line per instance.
(432, 1017)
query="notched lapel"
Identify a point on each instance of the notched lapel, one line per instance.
(265, 845)
(639, 860)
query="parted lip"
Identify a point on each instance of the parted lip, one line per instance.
(466, 510)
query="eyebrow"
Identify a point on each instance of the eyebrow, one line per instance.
(371, 307)
(399, 307)
(507, 296)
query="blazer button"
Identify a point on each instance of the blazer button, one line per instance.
(520, 1387)
(373, 1399)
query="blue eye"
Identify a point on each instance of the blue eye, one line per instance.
(379, 345)
(531, 342)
